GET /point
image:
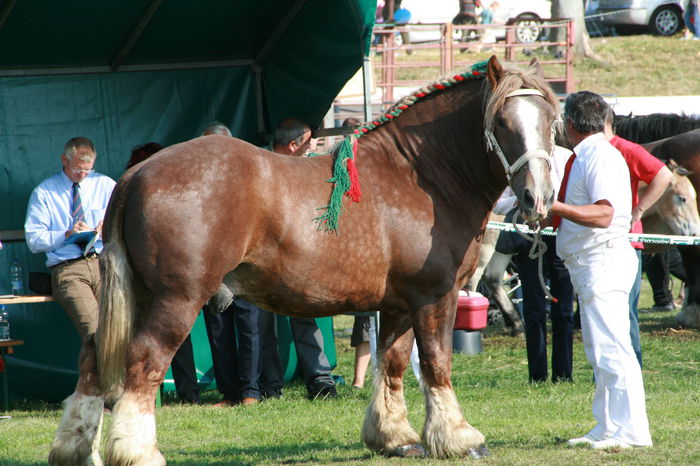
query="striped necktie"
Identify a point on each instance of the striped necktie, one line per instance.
(77, 207)
(79, 216)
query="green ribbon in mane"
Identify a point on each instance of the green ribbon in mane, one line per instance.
(345, 182)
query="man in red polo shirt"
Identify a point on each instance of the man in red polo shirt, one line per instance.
(643, 167)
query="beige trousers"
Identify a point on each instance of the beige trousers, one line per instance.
(76, 287)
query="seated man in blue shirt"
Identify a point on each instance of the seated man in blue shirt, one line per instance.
(71, 202)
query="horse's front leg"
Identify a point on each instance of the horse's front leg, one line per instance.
(78, 436)
(446, 433)
(132, 437)
(386, 429)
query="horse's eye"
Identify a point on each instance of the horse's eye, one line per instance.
(501, 122)
(682, 199)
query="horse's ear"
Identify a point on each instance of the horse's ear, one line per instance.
(494, 71)
(535, 63)
(675, 168)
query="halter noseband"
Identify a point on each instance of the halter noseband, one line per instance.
(492, 143)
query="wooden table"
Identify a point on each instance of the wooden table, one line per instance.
(7, 347)
(6, 299)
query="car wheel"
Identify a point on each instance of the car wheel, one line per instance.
(666, 21)
(528, 28)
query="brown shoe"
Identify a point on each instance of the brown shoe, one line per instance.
(249, 401)
(223, 404)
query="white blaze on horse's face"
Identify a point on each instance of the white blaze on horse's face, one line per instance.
(528, 146)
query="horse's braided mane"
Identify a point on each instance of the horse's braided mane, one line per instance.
(648, 128)
(476, 71)
(345, 177)
(513, 79)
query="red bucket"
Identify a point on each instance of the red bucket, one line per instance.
(472, 311)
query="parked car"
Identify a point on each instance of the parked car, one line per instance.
(528, 15)
(659, 17)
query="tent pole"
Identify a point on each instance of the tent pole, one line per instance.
(257, 73)
(366, 80)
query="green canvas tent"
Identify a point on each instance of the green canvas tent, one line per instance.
(126, 72)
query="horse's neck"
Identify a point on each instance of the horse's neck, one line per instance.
(442, 137)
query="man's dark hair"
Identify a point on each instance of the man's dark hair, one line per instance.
(587, 111)
(290, 130)
(73, 143)
(142, 152)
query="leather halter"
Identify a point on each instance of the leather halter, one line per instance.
(492, 143)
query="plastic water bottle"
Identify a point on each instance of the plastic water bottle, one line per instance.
(17, 284)
(4, 324)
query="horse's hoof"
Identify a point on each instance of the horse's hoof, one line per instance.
(479, 452)
(412, 450)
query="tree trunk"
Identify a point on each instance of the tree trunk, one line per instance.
(582, 41)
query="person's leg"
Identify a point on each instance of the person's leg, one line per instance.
(535, 317)
(360, 341)
(618, 404)
(633, 312)
(658, 275)
(314, 364)
(562, 315)
(675, 264)
(74, 287)
(224, 355)
(687, 19)
(247, 316)
(185, 373)
(271, 372)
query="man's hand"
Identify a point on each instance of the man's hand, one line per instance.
(79, 227)
(637, 213)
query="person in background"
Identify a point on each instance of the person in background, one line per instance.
(535, 305)
(293, 137)
(593, 213)
(361, 325)
(70, 202)
(659, 268)
(234, 337)
(692, 20)
(182, 365)
(467, 15)
(646, 168)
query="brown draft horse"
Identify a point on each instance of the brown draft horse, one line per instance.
(217, 209)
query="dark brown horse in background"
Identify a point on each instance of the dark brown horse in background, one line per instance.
(675, 137)
(218, 210)
(685, 150)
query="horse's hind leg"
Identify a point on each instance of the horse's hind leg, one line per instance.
(132, 437)
(78, 437)
(446, 433)
(386, 429)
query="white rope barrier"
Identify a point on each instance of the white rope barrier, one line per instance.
(641, 237)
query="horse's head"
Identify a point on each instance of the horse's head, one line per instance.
(519, 120)
(676, 209)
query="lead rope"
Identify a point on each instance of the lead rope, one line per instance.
(537, 250)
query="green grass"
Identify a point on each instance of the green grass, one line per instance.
(524, 424)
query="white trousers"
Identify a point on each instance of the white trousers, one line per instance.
(603, 277)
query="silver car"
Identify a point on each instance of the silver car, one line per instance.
(660, 17)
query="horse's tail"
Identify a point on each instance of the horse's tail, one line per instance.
(117, 302)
